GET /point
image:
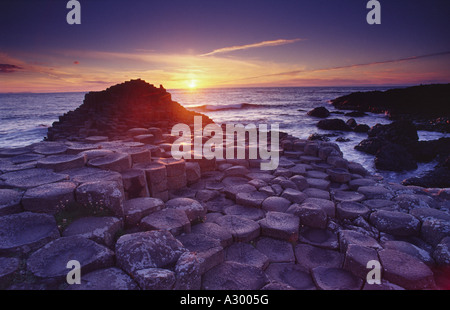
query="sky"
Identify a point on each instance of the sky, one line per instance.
(215, 43)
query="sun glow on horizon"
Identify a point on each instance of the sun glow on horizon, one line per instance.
(192, 84)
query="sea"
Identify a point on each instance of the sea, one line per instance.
(25, 117)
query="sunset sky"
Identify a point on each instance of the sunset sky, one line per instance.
(215, 43)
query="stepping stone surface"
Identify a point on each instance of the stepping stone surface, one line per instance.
(138, 208)
(234, 276)
(193, 209)
(322, 238)
(245, 253)
(49, 198)
(278, 204)
(250, 199)
(343, 196)
(311, 257)
(25, 232)
(335, 279)
(245, 212)
(214, 231)
(242, 230)
(278, 251)
(8, 266)
(310, 215)
(100, 194)
(352, 210)
(115, 162)
(32, 178)
(109, 279)
(395, 223)
(172, 220)
(155, 279)
(405, 270)
(62, 162)
(10, 201)
(51, 260)
(280, 226)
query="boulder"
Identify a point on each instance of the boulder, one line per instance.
(135, 183)
(252, 199)
(395, 223)
(138, 208)
(322, 238)
(333, 124)
(278, 204)
(348, 237)
(441, 253)
(352, 210)
(321, 112)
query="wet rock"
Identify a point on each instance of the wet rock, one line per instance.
(100, 194)
(348, 237)
(150, 249)
(356, 259)
(49, 198)
(278, 251)
(8, 267)
(441, 253)
(322, 238)
(293, 275)
(333, 124)
(352, 210)
(208, 250)
(310, 215)
(242, 230)
(173, 220)
(31, 178)
(410, 249)
(193, 209)
(362, 128)
(311, 257)
(319, 112)
(394, 157)
(345, 196)
(26, 232)
(335, 279)
(405, 270)
(118, 162)
(245, 212)
(109, 279)
(214, 231)
(246, 254)
(280, 226)
(395, 223)
(234, 276)
(50, 262)
(10, 201)
(99, 229)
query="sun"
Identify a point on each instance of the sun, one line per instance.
(192, 84)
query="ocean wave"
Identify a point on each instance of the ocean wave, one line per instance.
(237, 106)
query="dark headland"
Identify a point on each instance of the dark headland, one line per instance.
(105, 190)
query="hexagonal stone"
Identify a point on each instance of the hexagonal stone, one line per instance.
(50, 148)
(318, 183)
(214, 231)
(310, 214)
(193, 172)
(138, 154)
(280, 226)
(311, 257)
(277, 286)
(352, 210)
(193, 209)
(357, 183)
(25, 232)
(335, 279)
(218, 204)
(109, 279)
(134, 183)
(136, 209)
(10, 201)
(231, 180)
(252, 199)
(347, 237)
(98, 194)
(441, 253)
(278, 251)
(231, 191)
(50, 261)
(395, 223)
(242, 230)
(316, 174)
(10, 152)
(155, 279)
(384, 286)
(150, 249)
(85, 175)
(356, 259)
(375, 192)
(25, 158)
(62, 162)
(292, 275)
(245, 212)
(300, 182)
(76, 148)
(187, 272)
(339, 175)
(172, 220)
(430, 214)
(317, 193)
(99, 229)
(434, 230)
(278, 204)
(414, 201)
(327, 205)
(236, 171)
(115, 162)
(404, 270)
(344, 196)
(376, 204)
(208, 250)
(322, 238)
(8, 267)
(49, 198)
(96, 139)
(234, 276)
(245, 253)
(31, 178)
(409, 249)
(293, 195)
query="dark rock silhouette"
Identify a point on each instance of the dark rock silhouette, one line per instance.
(333, 124)
(319, 112)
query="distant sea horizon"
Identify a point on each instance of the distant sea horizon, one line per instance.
(25, 117)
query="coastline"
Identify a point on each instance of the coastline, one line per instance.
(218, 219)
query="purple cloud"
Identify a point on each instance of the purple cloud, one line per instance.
(6, 68)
